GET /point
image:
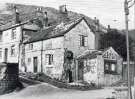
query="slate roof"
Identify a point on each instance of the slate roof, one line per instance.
(93, 53)
(90, 54)
(53, 31)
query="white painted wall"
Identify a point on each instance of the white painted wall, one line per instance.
(6, 35)
(7, 42)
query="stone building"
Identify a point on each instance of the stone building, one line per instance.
(57, 50)
(54, 50)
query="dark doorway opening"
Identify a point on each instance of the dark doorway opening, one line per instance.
(35, 63)
(70, 78)
(6, 55)
(80, 70)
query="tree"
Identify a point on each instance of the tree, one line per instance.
(116, 40)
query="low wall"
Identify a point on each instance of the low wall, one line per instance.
(109, 79)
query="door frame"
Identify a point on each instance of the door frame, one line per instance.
(35, 64)
(5, 54)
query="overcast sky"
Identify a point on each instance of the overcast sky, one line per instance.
(107, 11)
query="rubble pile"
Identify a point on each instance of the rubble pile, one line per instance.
(56, 82)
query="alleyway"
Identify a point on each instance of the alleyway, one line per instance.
(45, 91)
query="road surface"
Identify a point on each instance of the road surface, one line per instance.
(46, 91)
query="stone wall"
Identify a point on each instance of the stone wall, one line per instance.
(8, 77)
(40, 49)
(72, 39)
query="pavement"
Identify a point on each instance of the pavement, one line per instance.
(46, 91)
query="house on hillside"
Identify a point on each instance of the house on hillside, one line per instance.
(55, 50)
(11, 39)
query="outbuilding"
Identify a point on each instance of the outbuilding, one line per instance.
(101, 67)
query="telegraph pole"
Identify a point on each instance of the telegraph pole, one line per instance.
(126, 8)
(127, 44)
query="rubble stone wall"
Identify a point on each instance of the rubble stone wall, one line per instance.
(9, 77)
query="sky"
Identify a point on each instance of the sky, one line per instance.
(109, 12)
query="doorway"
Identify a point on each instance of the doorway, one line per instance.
(80, 70)
(70, 78)
(6, 55)
(35, 63)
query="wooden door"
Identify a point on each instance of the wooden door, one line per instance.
(80, 70)
(35, 64)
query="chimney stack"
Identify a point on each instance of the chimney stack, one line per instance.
(63, 13)
(63, 9)
(45, 21)
(39, 12)
(96, 21)
(17, 15)
(109, 28)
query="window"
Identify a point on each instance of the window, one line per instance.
(31, 46)
(83, 40)
(29, 61)
(0, 52)
(49, 59)
(110, 66)
(113, 67)
(13, 35)
(13, 50)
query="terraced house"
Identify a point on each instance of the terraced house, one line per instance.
(54, 49)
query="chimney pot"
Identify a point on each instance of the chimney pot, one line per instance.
(63, 9)
(45, 19)
(109, 27)
(17, 15)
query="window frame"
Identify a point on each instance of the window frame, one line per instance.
(49, 59)
(83, 40)
(13, 50)
(30, 46)
(13, 35)
(108, 70)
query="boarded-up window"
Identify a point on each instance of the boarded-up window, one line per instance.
(83, 40)
(49, 59)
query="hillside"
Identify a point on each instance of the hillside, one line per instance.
(28, 12)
